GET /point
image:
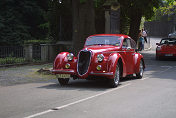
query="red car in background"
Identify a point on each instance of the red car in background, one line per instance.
(166, 48)
(110, 56)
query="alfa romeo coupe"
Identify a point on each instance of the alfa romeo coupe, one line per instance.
(110, 56)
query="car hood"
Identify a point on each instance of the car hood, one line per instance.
(169, 48)
(101, 48)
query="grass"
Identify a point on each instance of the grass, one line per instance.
(11, 60)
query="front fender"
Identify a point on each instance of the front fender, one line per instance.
(61, 60)
(113, 60)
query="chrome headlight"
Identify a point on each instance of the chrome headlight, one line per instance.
(70, 56)
(100, 57)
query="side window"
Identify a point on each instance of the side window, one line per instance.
(128, 43)
(124, 45)
(133, 44)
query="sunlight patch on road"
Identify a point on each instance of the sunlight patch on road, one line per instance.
(167, 68)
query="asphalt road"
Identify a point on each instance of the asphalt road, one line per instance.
(150, 97)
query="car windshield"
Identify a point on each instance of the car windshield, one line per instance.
(168, 41)
(103, 40)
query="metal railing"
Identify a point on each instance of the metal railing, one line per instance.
(16, 54)
(36, 52)
(11, 55)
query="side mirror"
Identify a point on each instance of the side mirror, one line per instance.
(157, 43)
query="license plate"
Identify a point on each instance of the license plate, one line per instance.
(63, 75)
(168, 55)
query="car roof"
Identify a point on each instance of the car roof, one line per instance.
(119, 35)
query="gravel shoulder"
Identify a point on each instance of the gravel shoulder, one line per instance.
(24, 74)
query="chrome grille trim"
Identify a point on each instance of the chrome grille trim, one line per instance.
(81, 72)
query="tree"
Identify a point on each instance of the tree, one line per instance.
(60, 20)
(168, 8)
(20, 21)
(83, 22)
(134, 10)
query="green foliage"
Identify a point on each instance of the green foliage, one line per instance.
(83, 1)
(37, 41)
(20, 21)
(167, 8)
(144, 6)
(11, 60)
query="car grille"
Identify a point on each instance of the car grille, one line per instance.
(84, 58)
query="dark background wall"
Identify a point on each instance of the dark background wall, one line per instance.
(161, 28)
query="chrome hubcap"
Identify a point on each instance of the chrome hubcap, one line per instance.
(141, 69)
(116, 79)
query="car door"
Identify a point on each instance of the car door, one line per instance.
(127, 53)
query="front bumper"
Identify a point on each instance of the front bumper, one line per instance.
(168, 54)
(74, 73)
(63, 71)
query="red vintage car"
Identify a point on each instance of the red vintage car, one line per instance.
(110, 56)
(166, 48)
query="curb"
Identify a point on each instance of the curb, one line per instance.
(148, 48)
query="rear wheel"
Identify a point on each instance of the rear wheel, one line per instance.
(115, 81)
(63, 81)
(141, 70)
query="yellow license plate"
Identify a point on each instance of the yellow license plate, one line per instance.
(63, 75)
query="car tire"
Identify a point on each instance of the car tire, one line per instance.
(63, 81)
(115, 81)
(141, 70)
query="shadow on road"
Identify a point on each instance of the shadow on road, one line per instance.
(94, 85)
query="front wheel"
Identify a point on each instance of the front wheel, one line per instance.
(115, 81)
(141, 70)
(63, 81)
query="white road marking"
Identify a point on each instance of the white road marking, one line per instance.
(168, 67)
(39, 114)
(76, 102)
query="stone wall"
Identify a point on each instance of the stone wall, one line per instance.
(48, 51)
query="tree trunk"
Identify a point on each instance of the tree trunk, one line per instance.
(83, 23)
(135, 21)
